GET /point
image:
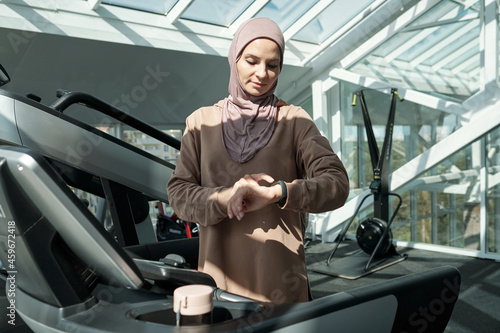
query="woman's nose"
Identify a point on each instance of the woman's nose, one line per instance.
(261, 71)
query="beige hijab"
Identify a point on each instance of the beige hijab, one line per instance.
(248, 121)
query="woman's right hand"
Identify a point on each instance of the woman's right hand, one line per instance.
(248, 195)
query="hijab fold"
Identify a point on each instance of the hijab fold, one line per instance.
(248, 121)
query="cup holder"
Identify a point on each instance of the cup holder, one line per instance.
(222, 311)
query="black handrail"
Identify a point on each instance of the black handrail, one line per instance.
(66, 99)
(4, 77)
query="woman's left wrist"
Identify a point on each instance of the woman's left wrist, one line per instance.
(282, 193)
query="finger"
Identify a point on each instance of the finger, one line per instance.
(236, 211)
(250, 179)
(232, 210)
(235, 205)
(240, 183)
(262, 176)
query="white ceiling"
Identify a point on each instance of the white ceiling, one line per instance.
(111, 51)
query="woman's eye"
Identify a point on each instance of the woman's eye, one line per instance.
(272, 66)
(251, 62)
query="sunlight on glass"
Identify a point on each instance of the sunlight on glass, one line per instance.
(154, 6)
(331, 19)
(220, 12)
(286, 12)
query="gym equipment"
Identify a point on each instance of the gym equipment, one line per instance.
(374, 234)
(171, 227)
(64, 273)
(67, 98)
(370, 232)
(89, 159)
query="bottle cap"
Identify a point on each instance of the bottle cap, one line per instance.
(193, 300)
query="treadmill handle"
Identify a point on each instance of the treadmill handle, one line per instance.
(67, 99)
(222, 295)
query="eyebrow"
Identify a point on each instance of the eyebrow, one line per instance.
(254, 56)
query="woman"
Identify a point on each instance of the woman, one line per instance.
(251, 228)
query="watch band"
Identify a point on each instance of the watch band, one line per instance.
(284, 193)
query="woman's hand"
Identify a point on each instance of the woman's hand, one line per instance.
(247, 195)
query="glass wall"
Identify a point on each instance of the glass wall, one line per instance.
(493, 191)
(152, 145)
(442, 206)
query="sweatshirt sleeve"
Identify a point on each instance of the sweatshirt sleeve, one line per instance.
(189, 200)
(325, 183)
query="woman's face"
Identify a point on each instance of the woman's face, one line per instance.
(259, 66)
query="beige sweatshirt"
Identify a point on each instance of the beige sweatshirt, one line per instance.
(262, 255)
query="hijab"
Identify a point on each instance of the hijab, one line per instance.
(248, 121)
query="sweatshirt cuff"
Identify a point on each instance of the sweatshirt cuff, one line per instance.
(223, 196)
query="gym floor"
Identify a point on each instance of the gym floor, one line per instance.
(478, 306)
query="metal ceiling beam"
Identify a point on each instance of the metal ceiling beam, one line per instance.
(411, 42)
(390, 30)
(462, 66)
(447, 147)
(489, 46)
(407, 94)
(455, 54)
(440, 23)
(422, 34)
(400, 73)
(94, 4)
(443, 44)
(179, 8)
(466, 3)
(306, 18)
(350, 25)
(250, 12)
(451, 177)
